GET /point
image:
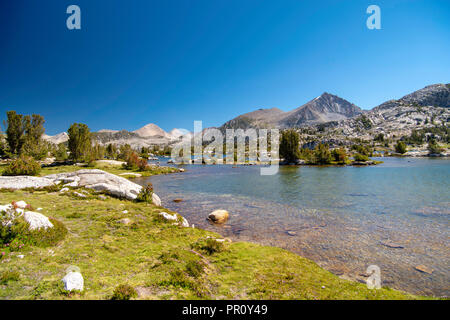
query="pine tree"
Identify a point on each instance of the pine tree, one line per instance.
(289, 145)
(80, 145)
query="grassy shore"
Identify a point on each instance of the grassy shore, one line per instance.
(160, 260)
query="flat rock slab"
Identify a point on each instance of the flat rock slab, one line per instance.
(22, 182)
(99, 180)
(95, 179)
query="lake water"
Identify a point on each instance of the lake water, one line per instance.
(340, 217)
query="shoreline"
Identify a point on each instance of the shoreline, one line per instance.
(40, 198)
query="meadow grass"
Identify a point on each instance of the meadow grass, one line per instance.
(159, 259)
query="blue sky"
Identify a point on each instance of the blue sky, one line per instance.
(171, 62)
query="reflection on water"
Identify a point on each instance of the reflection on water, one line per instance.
(340, 217)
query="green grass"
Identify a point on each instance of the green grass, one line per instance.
(163, 260)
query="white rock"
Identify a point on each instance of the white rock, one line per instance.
(185, 223)
(125, 211)
(20, 256)
(21, 204)
(79, 194)
(37, 220)
(98, 180)
(169, 216)
(156, 200)
(39, 209)
(73, 281)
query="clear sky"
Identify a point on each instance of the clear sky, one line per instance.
(171, 62)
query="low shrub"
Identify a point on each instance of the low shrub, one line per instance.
(339, 155)
(145, 195)
(209, 246)
(124, 292)
(360, 157)
(400, 147)
(194, 269)
(7, 276)
(134, 162)
(22, 166)
(178, 279)
(434, 148)
(19, 232)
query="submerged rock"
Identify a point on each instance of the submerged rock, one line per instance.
(218, 216)
(424, 269)
(391, 244)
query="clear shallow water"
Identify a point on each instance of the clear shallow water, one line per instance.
(337, 216)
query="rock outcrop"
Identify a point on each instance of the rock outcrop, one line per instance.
(95, 179)
(100, 181)
(22, 182)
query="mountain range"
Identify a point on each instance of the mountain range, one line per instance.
(327, 107)
(328, 110)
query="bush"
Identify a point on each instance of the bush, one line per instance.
(19, 232)
(194, 269)
(179, 279)
(362, 150)
(379, 137)
(361, 157)
(434, 148)
(322, 154)
(210, 246)
(22, 166)
(124, 292)
(145, 195)
(339, 155)
(134, 162)
(60, 153)
(400, 147)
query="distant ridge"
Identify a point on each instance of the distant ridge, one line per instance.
(327, 107)
(56, 139)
